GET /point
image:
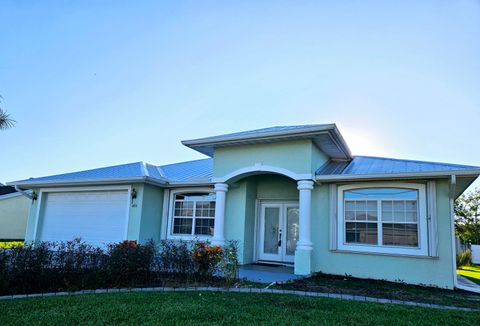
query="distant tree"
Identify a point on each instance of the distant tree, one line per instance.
(5, 120)
(467, 217)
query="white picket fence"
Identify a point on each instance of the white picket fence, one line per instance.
(476, 254)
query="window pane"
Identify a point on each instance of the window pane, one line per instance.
(349, 205)
(365, 233)
(410, 216)
(360, 205)
(381, 193)
(405, 235)
(350, 215)
(204, 226)
(182, 226)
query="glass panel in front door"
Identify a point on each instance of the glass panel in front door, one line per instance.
(292, 230)
(271, 235)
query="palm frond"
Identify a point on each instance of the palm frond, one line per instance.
(5, 120)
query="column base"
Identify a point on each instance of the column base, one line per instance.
(303, 262)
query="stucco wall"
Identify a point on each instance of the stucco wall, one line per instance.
(13, 217)
(430, 271)
(300, 156)
(151, 213)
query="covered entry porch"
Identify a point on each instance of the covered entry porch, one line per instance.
(269, 214)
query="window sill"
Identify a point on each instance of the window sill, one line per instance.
(190, 237)
(374, 253)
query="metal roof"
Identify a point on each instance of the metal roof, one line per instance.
(327, 137)
(190, 171)
(185, 172)
(369, 166)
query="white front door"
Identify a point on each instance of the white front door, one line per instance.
(278, 232)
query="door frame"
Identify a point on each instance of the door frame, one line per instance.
(257, 233)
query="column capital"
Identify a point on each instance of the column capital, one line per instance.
(221, 187)
(305, 185)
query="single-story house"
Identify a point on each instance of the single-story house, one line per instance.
(290, 195)
(14, 209)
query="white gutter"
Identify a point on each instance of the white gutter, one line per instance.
(453, 184)
(54, 183)
(432, 174)
(25, 193)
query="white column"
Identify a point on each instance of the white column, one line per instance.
(218, 232)
(304, 240)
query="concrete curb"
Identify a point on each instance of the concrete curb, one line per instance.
(242, 290)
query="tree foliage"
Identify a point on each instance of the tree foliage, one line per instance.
(467, 217)
(5, 120)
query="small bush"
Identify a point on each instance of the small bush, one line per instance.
(464, 258)
(207, 258)
(229, 265)
(175, 257)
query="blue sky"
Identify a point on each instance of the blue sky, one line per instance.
(97, 83)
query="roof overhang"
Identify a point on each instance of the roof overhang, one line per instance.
(86, 182)
(325, 137)
(464, 177)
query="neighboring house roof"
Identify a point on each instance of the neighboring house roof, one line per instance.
(4, 190)
(327, 137)
(368, 167)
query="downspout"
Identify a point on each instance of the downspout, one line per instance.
(453, 184)
(26, 194)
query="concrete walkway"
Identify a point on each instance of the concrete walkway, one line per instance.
(267, 273)
(464, 283)
(243, 290)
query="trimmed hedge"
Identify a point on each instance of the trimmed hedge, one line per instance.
(75, 265)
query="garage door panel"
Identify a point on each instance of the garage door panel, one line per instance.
(96, 217)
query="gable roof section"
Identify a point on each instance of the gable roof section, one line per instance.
(327, 137)
(367, 167)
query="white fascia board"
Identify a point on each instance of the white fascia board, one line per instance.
(13, 194)
(432, 174)
(253, 136)
(55, 183)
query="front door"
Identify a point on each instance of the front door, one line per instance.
(278, 232)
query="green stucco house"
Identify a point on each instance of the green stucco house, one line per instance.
(290, 195)
(14, 209)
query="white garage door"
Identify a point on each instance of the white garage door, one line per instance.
(98, 217)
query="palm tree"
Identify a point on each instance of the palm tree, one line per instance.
(5, 120)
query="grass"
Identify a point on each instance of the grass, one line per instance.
(384, 289)
(10, 244)
(470, 272)
(217, 308)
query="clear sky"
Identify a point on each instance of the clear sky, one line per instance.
(98, 83)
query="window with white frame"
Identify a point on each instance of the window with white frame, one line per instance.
(193, 214)
(388, 219)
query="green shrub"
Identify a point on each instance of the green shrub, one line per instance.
(229, 265)
(464, 258)
(207, 258)
(74, 265)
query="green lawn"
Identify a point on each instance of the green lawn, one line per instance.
(470, 272)
(188, 308)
